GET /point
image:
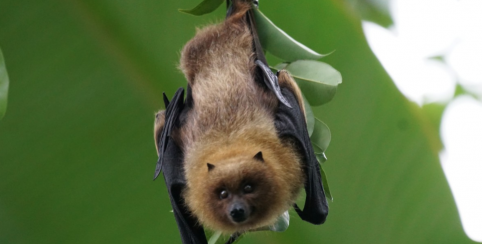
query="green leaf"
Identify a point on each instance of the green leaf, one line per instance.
(282, 223)
(280, 66)
(320, 156)
(205, 7)
(460, 90)
(310, 117)
(326, 187)
(3, 86)
(434, 112)
(373, 10)
(280, 44)
(214, 238)
(321, 137)
(239, 239)
(317, 80)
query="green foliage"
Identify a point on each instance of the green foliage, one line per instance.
(76, 149)
(326, 186)
(310, 117)
(373, 10)
(317, 80)
(214, 237)
(3, 86)
(280, 44)
(321, 137)
(205, 7)
(282, 223)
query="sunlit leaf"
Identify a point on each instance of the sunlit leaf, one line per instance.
(460, 90)
(239, 239)
(326, 187)
(321, 137)
(321, 156)
(317, 80)
(280, 66)
(3, 86)
(434, 112)
(310, 117)
(214, 238)
(282, 223)
(205, 7)
(373, 10)
(280, 44)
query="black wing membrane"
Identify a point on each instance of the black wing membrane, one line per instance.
(271, 81)
(290, 124)
(171, 162)
(173, 109)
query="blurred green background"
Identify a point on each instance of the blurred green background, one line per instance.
(76, 147)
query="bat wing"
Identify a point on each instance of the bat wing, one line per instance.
(171, 159)
(290, 124)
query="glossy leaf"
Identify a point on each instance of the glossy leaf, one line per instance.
(214, 237)
(317, 80)
(239, 240)
(282, 223)
(280, 44)
(205, 7)
(326, 187)
(280, 66)
(3, 86)
(321, 156)
(373, 10)
(434, 112)
(321, 137)
(310, 117)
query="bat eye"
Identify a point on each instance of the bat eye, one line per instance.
(224, 194)
(248, 189)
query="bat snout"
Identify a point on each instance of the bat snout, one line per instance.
(239, 212)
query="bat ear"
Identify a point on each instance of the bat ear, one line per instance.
(210, 167)
(259, 156)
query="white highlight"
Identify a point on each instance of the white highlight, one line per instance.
(451, 29)
(417, 77)
(462, 161)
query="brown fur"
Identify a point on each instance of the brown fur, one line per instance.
(232, 120)
(158, 126)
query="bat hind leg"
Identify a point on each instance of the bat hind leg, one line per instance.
(285, 80)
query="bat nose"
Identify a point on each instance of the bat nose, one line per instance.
(238, 214)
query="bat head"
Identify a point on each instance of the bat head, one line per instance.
(237, 194)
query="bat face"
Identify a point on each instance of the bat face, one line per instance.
(241, 200)
(237, 194)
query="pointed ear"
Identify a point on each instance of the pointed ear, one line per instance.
(210, 167)
(259, 156)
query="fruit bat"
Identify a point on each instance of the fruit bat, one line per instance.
(223, 57)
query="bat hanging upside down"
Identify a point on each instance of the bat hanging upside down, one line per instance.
(235, 153)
